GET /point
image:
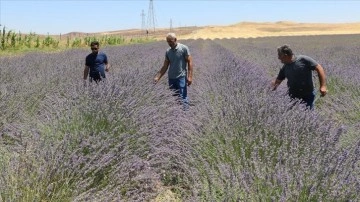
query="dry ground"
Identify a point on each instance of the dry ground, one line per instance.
(247, 30)
(251, 29)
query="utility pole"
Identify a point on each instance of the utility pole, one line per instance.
(171, 26)
(151, 16)
(0, 13)
(143, 26)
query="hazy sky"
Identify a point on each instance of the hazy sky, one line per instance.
(63, 16)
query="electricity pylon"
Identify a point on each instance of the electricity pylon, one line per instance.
(151, 16)
(143, 26)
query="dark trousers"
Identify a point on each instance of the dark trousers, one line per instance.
(309, 99)
(96, 77)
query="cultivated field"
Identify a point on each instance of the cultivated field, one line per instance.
(239, 30)
(129, 140)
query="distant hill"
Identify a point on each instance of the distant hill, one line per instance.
(159, 33)
(239, 30)
(281, 28)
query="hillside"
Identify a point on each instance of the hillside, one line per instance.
(246, 30)
(283, 28)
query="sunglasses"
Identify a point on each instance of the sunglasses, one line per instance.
(94, 48)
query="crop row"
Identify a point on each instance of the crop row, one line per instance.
(129, 140)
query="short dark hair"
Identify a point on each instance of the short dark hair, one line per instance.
(285, 50)
(94, 43)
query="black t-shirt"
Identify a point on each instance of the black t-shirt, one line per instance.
(96, 62)
(299, 75)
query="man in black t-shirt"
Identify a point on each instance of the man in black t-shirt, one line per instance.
(297, 69)
(96, 63)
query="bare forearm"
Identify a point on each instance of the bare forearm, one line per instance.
(190, 70)
(86, 72)
(161, 73)
(321, 75)
(190, 67)
(276, 83)
(322, 80)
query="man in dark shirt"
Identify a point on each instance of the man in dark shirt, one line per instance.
(297, 69)
(96, 63)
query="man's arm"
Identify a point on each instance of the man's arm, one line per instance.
(190, 69)
(162, 71)
(107, 67)
(86, 72)
(322, 79)
(275, 83)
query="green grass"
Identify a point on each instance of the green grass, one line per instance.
(12, 43)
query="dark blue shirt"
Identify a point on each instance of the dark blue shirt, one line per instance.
(96, 62)
(299, 75)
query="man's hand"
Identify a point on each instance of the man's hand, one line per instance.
(275, 83)
(323, 91)
(189, 81)
(156, 79)
(107, 69)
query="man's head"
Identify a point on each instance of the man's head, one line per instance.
(94, 47)
(285, 54)
(171, 40)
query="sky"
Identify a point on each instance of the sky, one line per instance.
(64, 16)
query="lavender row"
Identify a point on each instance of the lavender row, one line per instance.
(259, 149)
(129, 140)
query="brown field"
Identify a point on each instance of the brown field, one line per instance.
(246, 30)
(252, 30)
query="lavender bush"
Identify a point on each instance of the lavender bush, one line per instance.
(258, 149)
(127, 139)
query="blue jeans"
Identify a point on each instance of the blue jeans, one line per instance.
(180, 88)
(309, 100)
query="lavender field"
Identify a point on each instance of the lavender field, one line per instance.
(129, 140)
